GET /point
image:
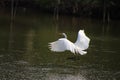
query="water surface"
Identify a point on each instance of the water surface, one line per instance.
(24, 53)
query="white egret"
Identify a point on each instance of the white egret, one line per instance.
(62, 44)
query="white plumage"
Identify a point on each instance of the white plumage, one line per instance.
(62, 44)
(82, 40)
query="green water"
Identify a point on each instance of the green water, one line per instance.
(24, 53)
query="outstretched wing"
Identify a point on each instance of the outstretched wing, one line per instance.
(57, 46)
(64, 44)
(82, 40)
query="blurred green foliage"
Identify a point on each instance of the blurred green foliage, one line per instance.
(93, 8)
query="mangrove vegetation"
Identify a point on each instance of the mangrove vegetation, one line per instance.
(104, 9)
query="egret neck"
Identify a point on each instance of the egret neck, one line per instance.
(64, 35)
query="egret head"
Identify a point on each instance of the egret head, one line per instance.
(63, 34)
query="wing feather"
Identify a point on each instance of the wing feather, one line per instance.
(57, 46)
(82, 40)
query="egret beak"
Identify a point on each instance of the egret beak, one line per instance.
(60, 34)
